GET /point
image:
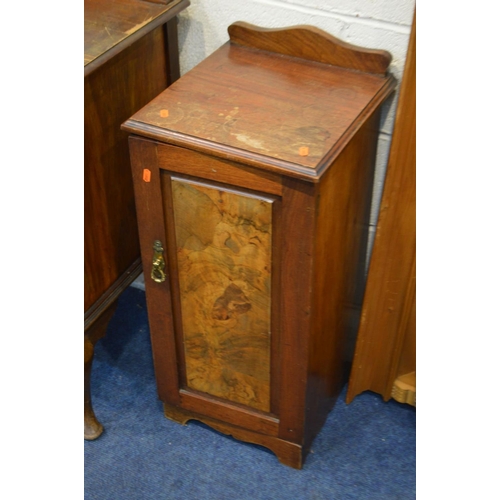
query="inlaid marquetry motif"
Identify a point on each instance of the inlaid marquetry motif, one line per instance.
(223, 242)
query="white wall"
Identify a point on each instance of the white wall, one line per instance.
(376, 24)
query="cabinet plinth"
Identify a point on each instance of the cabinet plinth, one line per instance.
(259, 168)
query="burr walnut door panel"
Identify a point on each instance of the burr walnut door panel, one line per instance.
(223, 249)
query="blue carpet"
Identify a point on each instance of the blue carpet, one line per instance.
(366, 450)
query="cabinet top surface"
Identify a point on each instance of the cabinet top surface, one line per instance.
(277, 106)
(108, 23)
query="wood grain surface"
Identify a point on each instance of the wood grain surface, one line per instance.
(128, 58)
(342, 220)
(184, 161)
(262, 102)
(223, 241)
(92, 427)
(266, 168)
(290, 454)
(112, 93)
(309, 42)
(109, 22)
(385, 348)
(158, 295)
(228, 411)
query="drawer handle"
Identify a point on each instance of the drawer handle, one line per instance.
(158, 269)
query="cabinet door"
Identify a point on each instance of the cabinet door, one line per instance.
(230, 322)
(215, 318)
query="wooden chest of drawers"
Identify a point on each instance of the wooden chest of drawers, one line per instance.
(253, 177)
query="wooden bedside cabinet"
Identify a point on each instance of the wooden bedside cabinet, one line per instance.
(253, 177)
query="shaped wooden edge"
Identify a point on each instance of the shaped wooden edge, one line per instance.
(404, 389)
(96, 322)
(97, 330)
(314, 44)
(289, 454)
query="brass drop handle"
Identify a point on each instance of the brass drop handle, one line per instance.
(158, 268)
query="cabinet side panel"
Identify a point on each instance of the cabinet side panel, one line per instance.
(224, 241)
(113, 93)
(339, 256)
